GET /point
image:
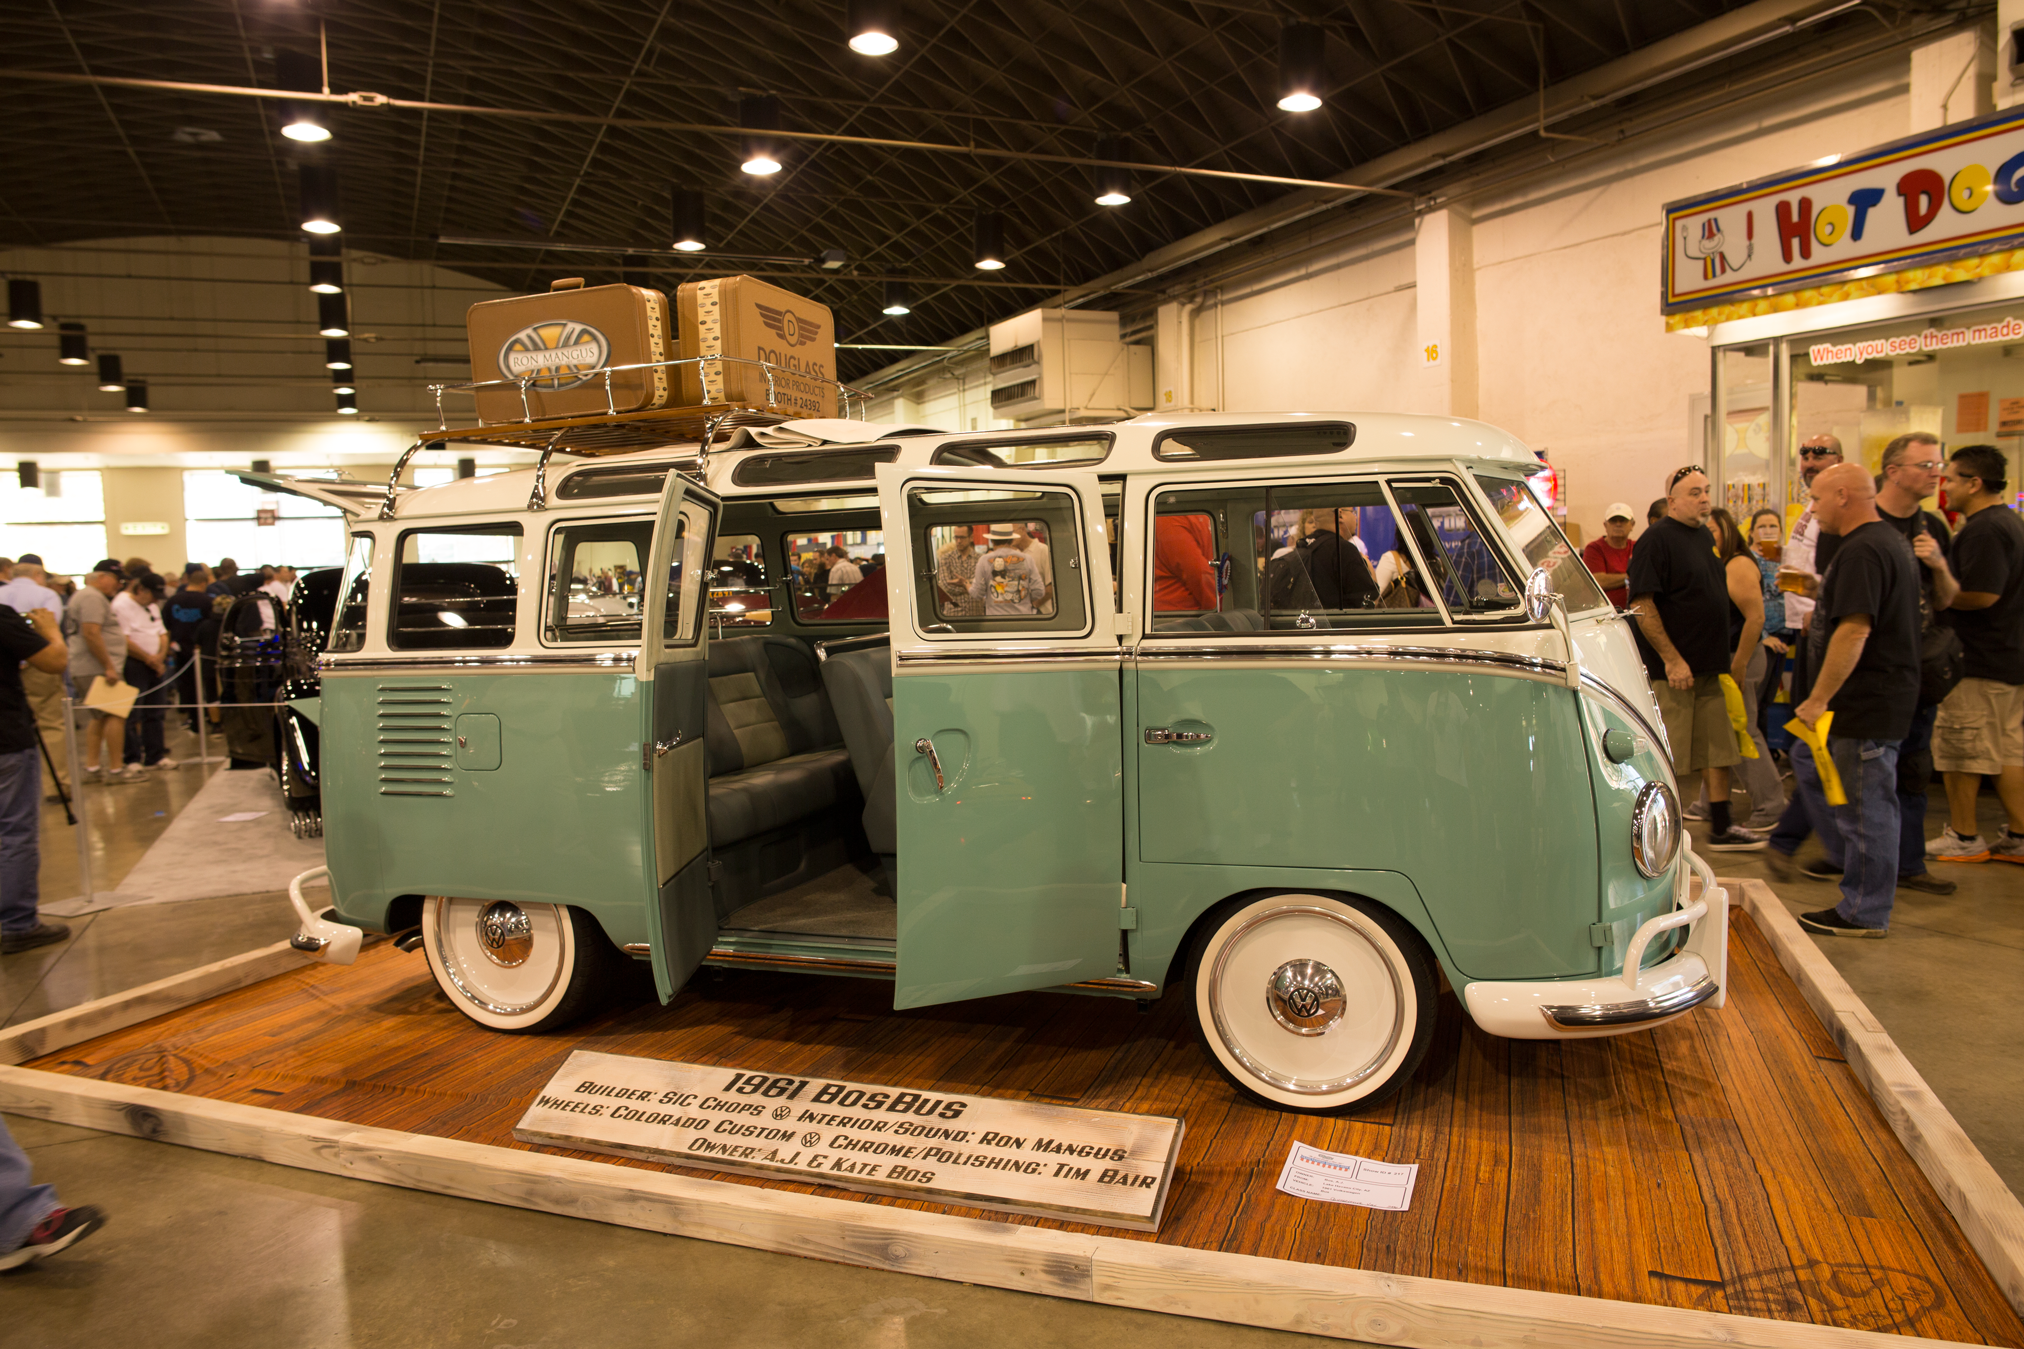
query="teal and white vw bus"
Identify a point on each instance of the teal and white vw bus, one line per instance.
(1298, 717)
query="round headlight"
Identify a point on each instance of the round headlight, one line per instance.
(1655, 829)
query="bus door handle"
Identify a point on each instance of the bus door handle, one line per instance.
(1162, 735)
(927, 747)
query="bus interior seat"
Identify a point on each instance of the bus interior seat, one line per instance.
(860, 684)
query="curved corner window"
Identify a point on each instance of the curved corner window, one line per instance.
(1274, 440)
(791, 470)
(1048, 452)
(347, 631)
(455, 589)
(1539, 538)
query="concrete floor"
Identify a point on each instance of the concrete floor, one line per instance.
(222, 1251)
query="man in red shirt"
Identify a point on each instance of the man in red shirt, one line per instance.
(1184, 578)
(1609, 556)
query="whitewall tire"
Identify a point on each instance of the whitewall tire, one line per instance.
(516, 967)
(1313, 1003)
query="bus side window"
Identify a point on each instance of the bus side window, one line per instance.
(456, 589)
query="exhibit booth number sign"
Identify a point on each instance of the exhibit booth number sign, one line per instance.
(1095, 1166)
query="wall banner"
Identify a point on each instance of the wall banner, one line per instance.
(1951, 193)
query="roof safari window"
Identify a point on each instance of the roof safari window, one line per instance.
(1054, 452)
(1276, 441)
(791, 470)
(596, 484)
(455, 589)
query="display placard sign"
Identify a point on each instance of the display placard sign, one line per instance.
(1051, 1161)
(1942, 194)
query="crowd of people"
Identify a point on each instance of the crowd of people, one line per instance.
(1889, 642)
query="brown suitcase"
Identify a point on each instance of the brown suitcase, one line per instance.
(563, 339)
(743, 317)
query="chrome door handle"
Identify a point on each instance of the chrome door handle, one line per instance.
(927, 747)
(1161, 735)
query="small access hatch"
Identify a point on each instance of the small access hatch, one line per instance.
(478, 741)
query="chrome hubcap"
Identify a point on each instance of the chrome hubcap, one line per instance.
(1305, 997)
(505, 934)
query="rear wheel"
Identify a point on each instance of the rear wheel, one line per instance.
(1313, 1003)
(518, 967)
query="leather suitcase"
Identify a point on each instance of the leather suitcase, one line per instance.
(744, 317)
(563, 339)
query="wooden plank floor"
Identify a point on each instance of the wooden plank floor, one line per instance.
(1728, 1162)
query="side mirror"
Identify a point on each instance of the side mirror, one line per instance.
(1539, 596)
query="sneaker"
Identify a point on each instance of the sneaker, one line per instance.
(93, 773)
(2008, 847)
(63, 1228)
(1927, 883)
(42, 934)
(1733, 839)
(1781, 866)
(1951, 847)
(1822, 870)
(131, 773)
(163, 763)
(1697, 811)
(1828, 923)
(1764, 821)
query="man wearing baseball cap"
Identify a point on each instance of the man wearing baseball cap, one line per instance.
(1609, 556)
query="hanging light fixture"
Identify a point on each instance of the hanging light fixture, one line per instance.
(896, 302)
(1113, 185)
(137, 395)
(31, 475)
(873, 27)
(990, 236)
(1301, 77)
(340, 382)
(326, 264)
(760, 114)
(686, 215)
(337, 354)
(302, 73)
(331, 320)
(110, 378)
(24, 303)
(72, 347)
(318, 186)
(347, 405)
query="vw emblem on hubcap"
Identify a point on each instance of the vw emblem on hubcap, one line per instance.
(505, 934)
(1305, 997)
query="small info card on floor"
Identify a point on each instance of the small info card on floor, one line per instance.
(1339, 1178)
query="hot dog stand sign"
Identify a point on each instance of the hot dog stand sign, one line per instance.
(1051, 1161)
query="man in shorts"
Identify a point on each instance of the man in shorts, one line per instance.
(1681, 593)
(1980, 728)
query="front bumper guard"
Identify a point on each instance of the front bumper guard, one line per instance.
(1696, 975)
(319, 938)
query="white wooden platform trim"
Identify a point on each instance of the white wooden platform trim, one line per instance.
(1247, 1290)
(1990, 1215)
(1239, 1289)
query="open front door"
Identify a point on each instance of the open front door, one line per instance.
(674, 679)
(1006, 731)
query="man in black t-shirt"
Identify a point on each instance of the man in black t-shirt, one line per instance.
(1863, 644)
(1981, 724)
(1681, 595)
(36, 640)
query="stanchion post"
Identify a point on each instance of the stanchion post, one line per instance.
(77, 795)
(203, 715)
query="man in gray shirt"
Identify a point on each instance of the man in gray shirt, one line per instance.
(98, 651)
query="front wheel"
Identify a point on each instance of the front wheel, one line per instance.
(517, 967)
(1312, 1003)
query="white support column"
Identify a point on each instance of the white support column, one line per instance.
(1444, 262)
(1953, 80)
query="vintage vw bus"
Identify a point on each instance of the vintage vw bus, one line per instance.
(1114, 709)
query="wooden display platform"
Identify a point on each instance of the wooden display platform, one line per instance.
(1725, 1178)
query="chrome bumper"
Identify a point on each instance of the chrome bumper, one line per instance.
(1693, 976)
(319, 938)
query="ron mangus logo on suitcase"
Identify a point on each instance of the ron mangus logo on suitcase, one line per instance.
(559, 355)
(574, 352)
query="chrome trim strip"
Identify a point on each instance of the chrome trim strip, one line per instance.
(1401, 655)
(1137, 988)
(1037, 655)
(725, 955)
(1589, 1015)
(637, 948)
(589, 660)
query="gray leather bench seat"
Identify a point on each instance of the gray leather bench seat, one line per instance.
(860, 684)
(774, 759)
(1230, 620)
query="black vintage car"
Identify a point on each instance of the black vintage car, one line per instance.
(265, 657)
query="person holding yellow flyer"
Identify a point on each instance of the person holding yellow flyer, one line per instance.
(1864, 647)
